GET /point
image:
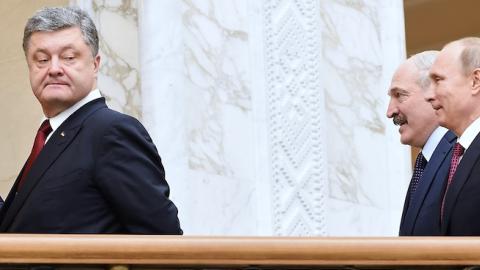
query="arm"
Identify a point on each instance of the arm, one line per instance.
(130, 175)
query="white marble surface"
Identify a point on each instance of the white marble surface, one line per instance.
(197, 103)
(270, 114)
(363, 42)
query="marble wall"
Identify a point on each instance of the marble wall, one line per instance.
(197, 102)
(363, 42)
(270, 114)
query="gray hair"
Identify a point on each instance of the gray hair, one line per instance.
(423, 62)
(51, 19)
(470, 56)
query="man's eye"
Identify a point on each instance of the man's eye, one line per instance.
(42, 61)
(401, 96)
(69, 58)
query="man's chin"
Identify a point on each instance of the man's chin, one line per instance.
(442, 121)
(445, 124)
(405, 137)
(52, 106)
(405, 141)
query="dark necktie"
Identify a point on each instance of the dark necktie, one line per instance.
(420, 164)
(38, 144)
(457, 153)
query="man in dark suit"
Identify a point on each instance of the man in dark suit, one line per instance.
(455, 96)
(419, 128)
(91, 170)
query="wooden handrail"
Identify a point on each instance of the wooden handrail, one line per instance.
(237, 251)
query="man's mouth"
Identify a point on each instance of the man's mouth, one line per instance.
(399, 120)
(55, 84)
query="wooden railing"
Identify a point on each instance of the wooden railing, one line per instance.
(157, 252)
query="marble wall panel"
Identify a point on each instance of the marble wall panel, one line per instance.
(197, 101)
(119, 77)
(270, 114)
(363, 42)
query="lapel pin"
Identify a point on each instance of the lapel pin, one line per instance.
(62, 134)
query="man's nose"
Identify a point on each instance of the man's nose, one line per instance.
(56, 68)
(429, 93)
(392, 108)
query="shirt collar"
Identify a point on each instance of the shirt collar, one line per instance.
(469, 134)
(433, 141)
(57, 120)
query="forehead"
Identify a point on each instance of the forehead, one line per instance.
(405, 79)
(448, 60)
(47, 40)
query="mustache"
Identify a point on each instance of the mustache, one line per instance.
(399, 119)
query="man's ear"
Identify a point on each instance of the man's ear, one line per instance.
(476, 81)
(96, 63)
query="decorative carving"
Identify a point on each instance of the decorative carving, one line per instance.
(295, 102)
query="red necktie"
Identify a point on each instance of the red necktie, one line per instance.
(42, 135)
(457, 153)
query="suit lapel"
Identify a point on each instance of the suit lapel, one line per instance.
(460, 177)
(59, 141)
(442, 151)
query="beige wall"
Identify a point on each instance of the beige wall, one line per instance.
(20, 111)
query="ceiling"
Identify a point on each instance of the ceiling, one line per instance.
(430, 24)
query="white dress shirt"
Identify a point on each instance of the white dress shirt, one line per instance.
(432, 142)
(469, 134)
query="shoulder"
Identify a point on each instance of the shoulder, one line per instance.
(106, 117)
(105, 123)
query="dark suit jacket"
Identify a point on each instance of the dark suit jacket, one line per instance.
(98, 173)
(422, 216)
(462, 201)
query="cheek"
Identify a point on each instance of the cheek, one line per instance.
(36, 75)
(34, 80)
